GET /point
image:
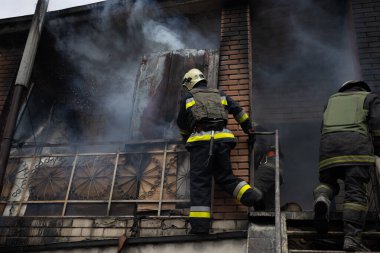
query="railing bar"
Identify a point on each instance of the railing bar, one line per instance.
(265, 133)
(162, 180)
(69, 186)
(84, 144)
(92, 201)
(118, 216)
(100, 154)
(112, 184)
(26, 185)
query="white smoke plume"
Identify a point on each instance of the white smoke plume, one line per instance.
(161, 34)
(101, 56)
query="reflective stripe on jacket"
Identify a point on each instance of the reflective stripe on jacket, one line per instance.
(202, 136)
(347, 159)
(351, 122)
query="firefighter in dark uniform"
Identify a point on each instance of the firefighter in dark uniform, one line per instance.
(350, 131)
(264, 177)
(202, 120)
(265, 169)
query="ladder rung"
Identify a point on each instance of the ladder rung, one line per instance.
(321, 251)
(329, 234)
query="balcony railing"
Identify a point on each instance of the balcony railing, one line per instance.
(116, 178)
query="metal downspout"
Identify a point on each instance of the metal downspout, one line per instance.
(21, 84)
(277, 198)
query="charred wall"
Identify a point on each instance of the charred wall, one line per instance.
(91, 64)
(84, 76)
(11, 48)
(49, 95)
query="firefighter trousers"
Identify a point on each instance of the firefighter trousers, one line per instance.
(355, 204)
(202, 169)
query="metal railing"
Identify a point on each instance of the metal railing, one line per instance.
(152, 178)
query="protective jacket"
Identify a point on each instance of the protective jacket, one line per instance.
(204, 109)
(350, 129)
(203, 118)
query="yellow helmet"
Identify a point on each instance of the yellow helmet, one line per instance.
(192, 77)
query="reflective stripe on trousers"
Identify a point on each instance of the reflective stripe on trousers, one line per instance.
(200, 212)
(240, 189)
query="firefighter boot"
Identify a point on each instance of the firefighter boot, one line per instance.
(251, 196)
(354, 244)
(199, 226)
(321, 214)
(353, 231)
(322, 200)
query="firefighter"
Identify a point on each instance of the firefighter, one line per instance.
(202, 120)
(265, 168)
(350, 130)
(264, 178)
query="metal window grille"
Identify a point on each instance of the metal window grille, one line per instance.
(152, 181)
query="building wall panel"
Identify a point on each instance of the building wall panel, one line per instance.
(366, 22)
(9, 59)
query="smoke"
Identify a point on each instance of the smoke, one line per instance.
(160, 31)
(302, 54)
(99, 60)
(161, 34)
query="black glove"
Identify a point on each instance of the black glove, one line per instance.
(250, 131)
(247, 127)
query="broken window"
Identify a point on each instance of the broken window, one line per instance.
(68, 161)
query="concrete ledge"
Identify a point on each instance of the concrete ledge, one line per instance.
(39, 231)
(130, 241)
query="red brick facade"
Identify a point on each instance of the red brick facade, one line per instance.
(234, 80)
(9, 59)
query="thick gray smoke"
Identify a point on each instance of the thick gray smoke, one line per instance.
(303, 52)
(161, 34)
(100, 57)
(158, 31)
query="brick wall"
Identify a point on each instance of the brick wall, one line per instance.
(366, 18)
(234, 80)
(9, 60)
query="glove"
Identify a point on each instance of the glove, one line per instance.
(247, 127)
(250, 131)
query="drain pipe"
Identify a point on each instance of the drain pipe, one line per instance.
(21, 84)
(277, 197)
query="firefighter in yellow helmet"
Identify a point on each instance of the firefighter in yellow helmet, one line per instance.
(202, 120)
(350, 138)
